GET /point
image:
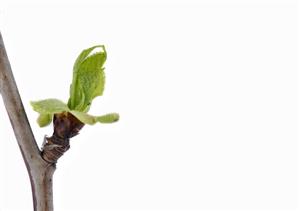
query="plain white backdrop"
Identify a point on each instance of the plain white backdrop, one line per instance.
(207, 92)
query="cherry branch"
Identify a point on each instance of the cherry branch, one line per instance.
(40, 171)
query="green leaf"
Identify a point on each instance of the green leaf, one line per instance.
(108, 118)
(46, 109)
(88, 78)
(44, 119)
(91, 120)
(85, 53)
(49, 106)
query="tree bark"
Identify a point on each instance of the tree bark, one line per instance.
(42, 185)
(40, 171)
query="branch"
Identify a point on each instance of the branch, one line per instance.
(15, 109)
(40, 171)
(41, 164)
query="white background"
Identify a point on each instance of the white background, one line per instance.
(207, 92)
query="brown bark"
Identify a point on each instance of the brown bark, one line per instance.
(66, 126)
(39, 170)
(40, 164)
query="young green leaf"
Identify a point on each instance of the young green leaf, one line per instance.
(88, 82)
(46, 109)
(49, 106)
(91, 120)
(44, 119)
(108, 118)
(88, 79)
(85, 53)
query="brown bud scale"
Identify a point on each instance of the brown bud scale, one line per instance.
(66, 126)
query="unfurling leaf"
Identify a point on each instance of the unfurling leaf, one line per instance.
(88, 78)
(46, 109)
(108, 118)
(44, 119)
(88, 82)
(91, 120)
(49, 106)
